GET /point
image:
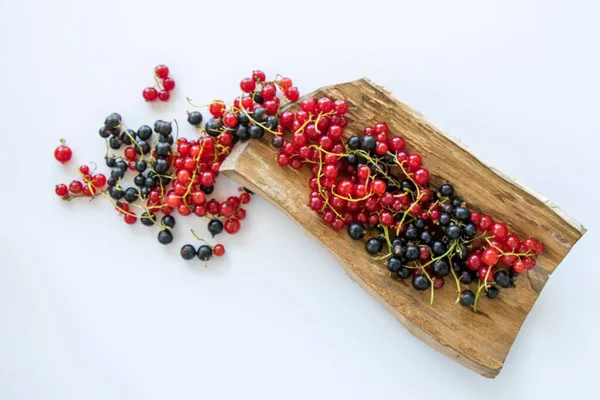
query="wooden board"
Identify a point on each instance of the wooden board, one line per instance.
(479, 341)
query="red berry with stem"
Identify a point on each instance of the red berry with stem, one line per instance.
(99, 180)
(230, 120)
(245, 198)
(217, 108)
(520, 266)
(268, 91)
(240, 214)
(293, 94)
(248, 85)
(258, 76)
(61, 190)
(421, 176)
(232, 226)
(150, 94)
(474, 262)
(75, 187)
(285, 83)
(396, 144)
(168, 84)
(161, 71)
(341, 107)
(130, 219)
(325, 105)
(226, 209)
(163, 95)
(63, 153)
(499, 230)
(218, 250)
(414, 161)
(485, 222)
(490, 256)
(84, 169)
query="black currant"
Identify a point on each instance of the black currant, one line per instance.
(110, 161)
(139, 180)
(122, 165)
(144, 132)
(243, 118)
(502, 279)
(207, 189)
(462, 214)
(446, 190)
(444, 219)
(104, 132)
(467, 298)
(373, 246)
(466, 277)
(438, 248)
(148, 218)
(453, 232)
(165, 236)
(195, 118)
(131, 194)
(127, 136)
(162, 149)
(470, 230)
(168, 220)
(142, 147)
(163, 127)
(204, 252)
(187, 252)
(353, 142)
(411, 233)
(117, 173)
(112, 121)
(440, 267)
(114, 143)
(412, 252)
(404, 273)
(492, 292)
(426, 237)
(115, 193)
(259, 114)
(160, 166)
(368, 143)
(242, 133)
(356, 230)
(141, 165)
(256, 132)
(215, 227)
(420, 282)
(271, 122)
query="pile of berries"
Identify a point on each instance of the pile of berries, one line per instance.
(372, 185)
(163, 87)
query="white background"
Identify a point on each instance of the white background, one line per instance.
(91, 308)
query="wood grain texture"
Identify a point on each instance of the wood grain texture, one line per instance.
(479, 341)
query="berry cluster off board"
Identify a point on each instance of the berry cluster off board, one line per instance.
(479, 341)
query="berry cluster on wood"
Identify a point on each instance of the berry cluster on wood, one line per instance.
(370, 183)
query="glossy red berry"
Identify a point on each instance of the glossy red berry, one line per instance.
(217, 108)
(150, 94)
(75, 187)
(232, 226)
(499, 230)
(168, 84)
(490, 256)
(161, 71)
(218, 250)
(163, 95)
(421, 176)
(292, 94)
(248, 85)
(258, 76)
(63, 153)
(130, 218)
(61, 190)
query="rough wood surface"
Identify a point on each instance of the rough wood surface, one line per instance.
(478, 341)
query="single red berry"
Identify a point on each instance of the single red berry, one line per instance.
(248, 85)
(230, 120)
(99, 180)
(208, 179)
(161, 71)
(84, 169)
(486, 222)
(475, 217)
(484, 273)
(490, 256)
(386, 218)
(382, 127)
(130, 219)
(499, 230)
(414, 161)
(232, 226)
(168, 84)
(271, 107)
(285, 83)
(130, 153)
(438, 282)
(258, 75)
(226, 209)
(325, 104)
(293, 94)
(530, 244)
(163, 95)
(63, 153)
(218, 250)
(381, 148)
(341, 107)
(240, 214)
(378, 186)
(217, 108)
(268, 91)
(421, 176)
(75, 187)
(245, 198)
(61, 190)
(520, 266)
(199, 197)
(474, 262)
(512, 242)
(150, 94)
(212, 207)
(283, 159)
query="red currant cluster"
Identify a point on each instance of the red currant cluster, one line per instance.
(372, 184)
(89, 184)
(164, 85)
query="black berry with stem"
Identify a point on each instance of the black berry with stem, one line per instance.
(117, 173)
(394, 264)
(150, 182)
(271, 122)
(115, 193)
(352, 159)
(112, 121)
(162, 149)
(187, 252)
(502, 279)
(373, 246)
(412, 252)
(368, 143)
(242, 133)
(441, 268)
(141, 165)
(256, 132)
(447, 190)
(131, 194)
(407, 186)
(465, 277)
(104, 132)
(204, 252)
(353, 142)
(492, 292)
(257, 96)
(420, 282)
(356, 230)
(195, 118)
(453, 232)
(243, 118)
(462, 252)
(110, 162)
(144, 192)
(214, 127)
(259, 114)
(142, 147)
(165, 139)
(163, 127)
(114, 143)
(161, 166)
(144, 132)
(168, 220)
(438, 248)
(467, 298)
(127, 136)
(398, 249)
(122, 165)
(148, 218)
(215, 227)
(404, 273)
(165, 236)
(139, 180)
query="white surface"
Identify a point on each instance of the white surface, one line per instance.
(93, 309)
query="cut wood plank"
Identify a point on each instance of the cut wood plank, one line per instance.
(479, 341)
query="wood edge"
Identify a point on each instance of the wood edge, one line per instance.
(229, 170)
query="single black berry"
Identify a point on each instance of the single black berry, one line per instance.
(444, 219)
(187, 252)
(114, 143)
(394, 264)
(148, 218)
(204, 252)
(446, 190)
(438, 248)
(256, 132)
(440, 267)
(502, 279)
(142, 147)
(466, 277)
(462, 214)
(492, 292)
(368, 143)
(104, 132)
(139, 180)
(467, 298)
(131, 194)
(195, 118)
(420, 282)
(112, 121)
(165, 236)
(115, 193)
(144, 132)
(353, 142)
(259, 114)
(141, 165)
(207, 189)
(373, 246)
(412, 252)
(215, 227)
(163, 127)
(453, 232)
(168, 220)
(160, 166)
(162, 149)
(356, 230)
(403, 273)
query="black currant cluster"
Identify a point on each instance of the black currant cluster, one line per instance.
(204, 252)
